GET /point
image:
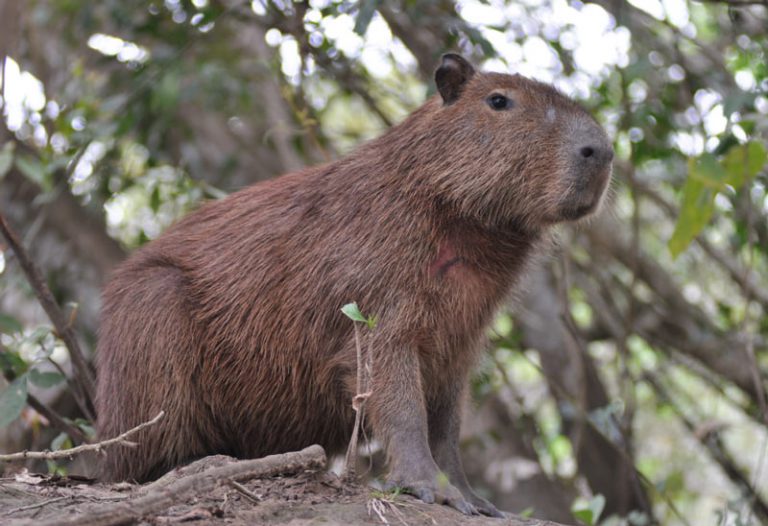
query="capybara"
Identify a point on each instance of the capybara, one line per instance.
(231, 322)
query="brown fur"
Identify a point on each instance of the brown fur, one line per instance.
(230, 321)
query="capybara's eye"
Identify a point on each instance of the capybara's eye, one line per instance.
(499, 102)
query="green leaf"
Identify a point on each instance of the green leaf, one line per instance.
(9, 325)
(742, 163)
(737, 101)
(46, 379)
(86, 427)
(589, 512)
(476, 37)
(62, 441)
(365, 15)
(12, 400)
(705, 177)
(708, 171)
(597, 505)
(32, 168)
(166, 92)
(13, 363)
(527, 512)
(639, 518)
(6, 158)
(39, 334)
(154, 199)
(584, 515)
(352, 311)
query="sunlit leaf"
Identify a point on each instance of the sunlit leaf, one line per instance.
(742, 163)
(597, 505)
(705, 176)
(12, 400)
(707, 170)
(589, 512)
(584, 515)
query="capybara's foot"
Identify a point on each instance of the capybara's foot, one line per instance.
(484, 506)
(433, 490)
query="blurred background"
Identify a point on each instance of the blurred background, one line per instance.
(626, 385)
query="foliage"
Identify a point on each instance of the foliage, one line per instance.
(352, 311)
(706, 177)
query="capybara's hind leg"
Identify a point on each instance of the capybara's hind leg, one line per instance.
(148, 351)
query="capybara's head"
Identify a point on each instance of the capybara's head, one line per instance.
(519, 150)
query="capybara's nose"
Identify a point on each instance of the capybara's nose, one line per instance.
(597, 154)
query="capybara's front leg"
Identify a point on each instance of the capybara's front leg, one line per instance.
(399, 418)
(444, 426)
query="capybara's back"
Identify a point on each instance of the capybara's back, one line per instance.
(230, 322)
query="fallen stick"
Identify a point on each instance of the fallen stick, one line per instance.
(68, 453)
(131, 510)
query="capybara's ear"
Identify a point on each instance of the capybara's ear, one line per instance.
(450, 77)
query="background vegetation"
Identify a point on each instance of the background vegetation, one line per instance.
(629, 377)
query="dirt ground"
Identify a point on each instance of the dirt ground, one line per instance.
(310, 497)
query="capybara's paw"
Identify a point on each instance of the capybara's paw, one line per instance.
(431, 491)
(485, 507)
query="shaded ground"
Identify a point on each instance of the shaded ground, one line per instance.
(310, 497)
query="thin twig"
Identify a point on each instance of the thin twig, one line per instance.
(83, 373)
(37, 505)
(349, 461)
(363, 392)
(244, 491)
(380, 507)
(68, 453)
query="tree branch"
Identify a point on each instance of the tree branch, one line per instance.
(69, 453)
(84, 375)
